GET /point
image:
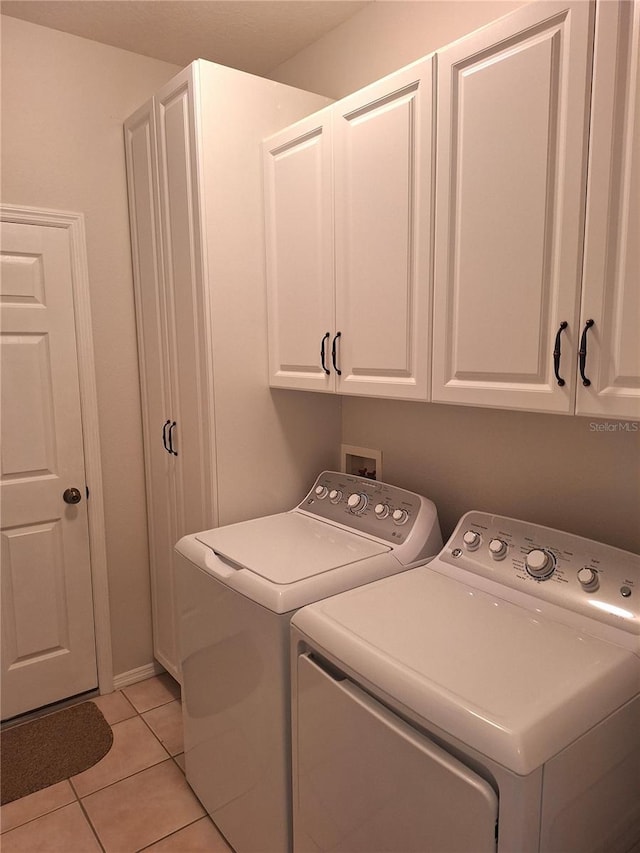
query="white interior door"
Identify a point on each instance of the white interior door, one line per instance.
(48, 640)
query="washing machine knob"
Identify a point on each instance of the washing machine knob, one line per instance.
(471, 540)
(540, 564)
(588, 578)
(335, 496)
(381, 510)
(321, 492)
(357, 502)
(400, 516)
(498, 549)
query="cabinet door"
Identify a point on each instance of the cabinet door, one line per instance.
(383, 199)
(188, 309)
(511, 171)
(299, 245)
(611, 283)
(140, 146)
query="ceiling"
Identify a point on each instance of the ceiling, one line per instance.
(252, 35)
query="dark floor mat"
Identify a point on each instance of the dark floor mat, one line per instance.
(42, 752)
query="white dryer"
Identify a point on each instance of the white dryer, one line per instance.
(237, 587)
(489, 700)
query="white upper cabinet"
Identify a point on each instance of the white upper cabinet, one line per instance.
(299, 246)
(530, 198)
(383, 195)
(355, 319)
(611, 282)
(511, 170)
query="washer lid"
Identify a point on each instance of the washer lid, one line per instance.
(508, 682)
(289, 547)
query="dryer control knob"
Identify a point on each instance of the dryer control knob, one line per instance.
(335, 496)
(498, 549)
(471, 540)
(400, 516)
(540, 564)
(321, 492)
(357, 502)
(588, 578)
(381, 510)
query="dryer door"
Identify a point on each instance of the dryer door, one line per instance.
(365, 780)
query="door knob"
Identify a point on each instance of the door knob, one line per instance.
(71, 496)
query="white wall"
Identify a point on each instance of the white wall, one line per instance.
(383, 37)
(549, 469)
(64, 100)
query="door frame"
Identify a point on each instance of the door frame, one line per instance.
(74, 224)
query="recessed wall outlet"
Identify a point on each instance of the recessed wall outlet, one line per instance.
(361, 461)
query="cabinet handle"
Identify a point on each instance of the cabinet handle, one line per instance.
(557, 353)
(171, 450)
(164, 436)
(324, 340)
(582, 352)
(333, 353)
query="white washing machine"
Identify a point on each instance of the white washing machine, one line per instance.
(237, 587)
(489, 700)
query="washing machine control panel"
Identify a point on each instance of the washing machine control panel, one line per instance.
(408, 522)
(588, 577)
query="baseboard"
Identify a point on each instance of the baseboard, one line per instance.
(124, 679)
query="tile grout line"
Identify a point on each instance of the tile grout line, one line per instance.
(141, 715)
(44, 814)
(91, 826)
(129, 775)
(174, 832)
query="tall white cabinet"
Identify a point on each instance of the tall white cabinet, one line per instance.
(157, 405)
(218, 444)
(348, 220)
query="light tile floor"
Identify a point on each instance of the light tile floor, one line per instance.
(135, 798)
